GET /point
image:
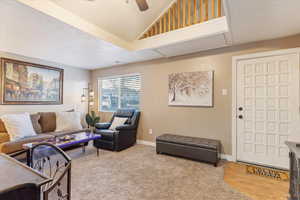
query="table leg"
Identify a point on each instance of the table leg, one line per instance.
(97, 152)
(83, 148)
(28, 157)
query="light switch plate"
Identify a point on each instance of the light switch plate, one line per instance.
(224, 92)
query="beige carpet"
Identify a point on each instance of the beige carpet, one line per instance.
(139, 174)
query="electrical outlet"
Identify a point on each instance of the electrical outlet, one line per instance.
(150, 131)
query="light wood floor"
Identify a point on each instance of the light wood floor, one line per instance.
(255, 187)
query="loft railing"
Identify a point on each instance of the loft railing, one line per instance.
(185, 13)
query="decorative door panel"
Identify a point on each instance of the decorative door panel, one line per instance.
(267, 106)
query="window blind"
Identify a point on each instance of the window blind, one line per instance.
(120, 92)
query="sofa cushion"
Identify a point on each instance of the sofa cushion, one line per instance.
(35, 123)
(18, 126)
(68, 121)
(11, 147)
(47, 121)
(191, 141)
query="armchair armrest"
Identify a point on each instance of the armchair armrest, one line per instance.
(125, 127)
(102, 125)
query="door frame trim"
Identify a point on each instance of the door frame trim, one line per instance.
(235, 60)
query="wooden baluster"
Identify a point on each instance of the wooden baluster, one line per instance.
(213, 9)
(174, 19)
(169, 19)
(219, 8)
(178, 14)
(186, 15)
(189, 12)
(195, 12)
(201, 10)
(165, 23)
(183, 13)
(160, 25)
(206, 10)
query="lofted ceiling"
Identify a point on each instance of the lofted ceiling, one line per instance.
(263, 19)
(82, 34)
(120, 17)
(31, 33)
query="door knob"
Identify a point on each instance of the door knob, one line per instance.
(240, 116)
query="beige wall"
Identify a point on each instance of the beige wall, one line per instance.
(74, 80)
(192, 121)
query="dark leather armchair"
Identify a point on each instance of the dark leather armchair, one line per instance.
(124, 136)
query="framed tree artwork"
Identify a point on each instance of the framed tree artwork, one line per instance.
(191, 89)
(29, 83)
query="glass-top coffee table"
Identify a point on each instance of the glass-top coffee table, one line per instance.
(66, 141)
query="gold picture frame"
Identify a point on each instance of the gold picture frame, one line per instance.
(24, 83)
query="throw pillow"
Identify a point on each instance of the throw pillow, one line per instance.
(68, 121)
(47, 121)
(18, 126)
(35, 123)
(118, 121)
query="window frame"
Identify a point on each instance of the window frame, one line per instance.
(111, 77)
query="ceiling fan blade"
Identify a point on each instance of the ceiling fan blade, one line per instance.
(143, 5)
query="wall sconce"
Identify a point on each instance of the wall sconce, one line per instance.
(88, 96)
(83, 98)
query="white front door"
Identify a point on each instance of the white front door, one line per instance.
(267, 108)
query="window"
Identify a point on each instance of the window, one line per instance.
(120, 92)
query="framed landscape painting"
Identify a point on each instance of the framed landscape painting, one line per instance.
(191, 89)
(28, 83)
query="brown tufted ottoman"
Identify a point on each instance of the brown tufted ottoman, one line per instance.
(201, 149)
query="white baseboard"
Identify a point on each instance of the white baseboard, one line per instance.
(227, 157)
(153, 144)
(146, 143)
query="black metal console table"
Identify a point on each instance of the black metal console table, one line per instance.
(294, 170)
